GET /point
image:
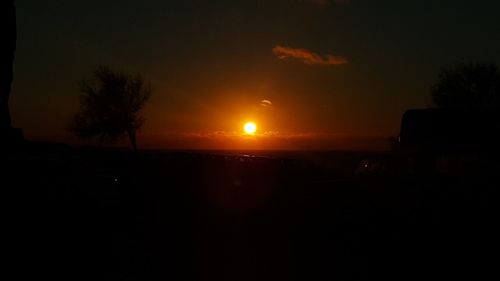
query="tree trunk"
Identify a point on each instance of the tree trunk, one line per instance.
(133, 142)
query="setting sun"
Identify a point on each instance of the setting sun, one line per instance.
(250, 128)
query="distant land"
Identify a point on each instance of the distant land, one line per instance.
(216, 141)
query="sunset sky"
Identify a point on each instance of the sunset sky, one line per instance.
(309, 73)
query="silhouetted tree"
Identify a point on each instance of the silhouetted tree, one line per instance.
(468, 86)
(110, 106)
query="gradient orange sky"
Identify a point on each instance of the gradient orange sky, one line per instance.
(335, 71)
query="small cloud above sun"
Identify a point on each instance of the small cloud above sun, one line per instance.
(266, 103)
(250, 128)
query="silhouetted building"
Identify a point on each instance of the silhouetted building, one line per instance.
(440, 129)
(445, 140)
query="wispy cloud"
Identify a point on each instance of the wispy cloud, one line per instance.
(307, 56)
(266, 103)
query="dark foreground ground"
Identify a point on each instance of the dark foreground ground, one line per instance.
(110, 215)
